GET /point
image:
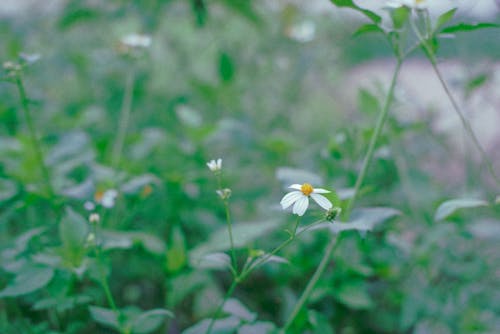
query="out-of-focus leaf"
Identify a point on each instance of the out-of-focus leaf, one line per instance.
(126, 240)
(73, 230)
(354, 295)
(485, 229)
(182, 285)
(176, 252)
(448, 208)
(319, 322)
(213, 261)
(63, 303)
(243, 233)
(400, 16)
(469, 27)
(350, 4)
(368, 102)
(149, 321)
(104, 316)
(244, 8)
(364, 219)
(368, 28)
(29, 279)
(221, 326)
(226, 67)
(475, 83)
(444, 18)
(236, 308)
(258, 327)
(8, 189)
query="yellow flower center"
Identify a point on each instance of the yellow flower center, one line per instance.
(306, 189)
(418, 2)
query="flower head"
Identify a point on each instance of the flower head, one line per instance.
(415, 4)
(300, 198)
(215, 165)
(136, 41)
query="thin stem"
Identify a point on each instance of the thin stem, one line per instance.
(312, 282)
(37, 147)
(366, 162)
(221, 305)
(104, 280)
(373, 141)
(124, 120)
(466, 125)
(230, 232)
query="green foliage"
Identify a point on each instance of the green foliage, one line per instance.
(284, 96)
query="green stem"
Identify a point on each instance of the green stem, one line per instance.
(312, 282)
(221, 305)
(104, 280)
(373, 141)
(234, 264)
(466, 125)
(37, 147)
(124, 120)
(366, 162)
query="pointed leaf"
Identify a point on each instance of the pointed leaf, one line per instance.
(444, 18)
(104, 316)
(28, 280)
(235, 307)
(150, 320)
(469, 27)
(350, 4)
(447, 208)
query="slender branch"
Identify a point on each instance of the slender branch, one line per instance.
(37, 147)
(221, 305)
(366, 162)
(465, 123)
(124, 120)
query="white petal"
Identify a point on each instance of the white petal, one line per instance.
(322, 201)
(320, 191)
(296, 186)
(301, 205)
(290, 198)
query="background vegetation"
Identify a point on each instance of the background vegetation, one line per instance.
(282, 93)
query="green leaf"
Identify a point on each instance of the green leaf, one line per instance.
(61, 304)
(319, 322)
(176, 253)
(258, 327)
(363, 219)
(226, 67)
(221, 326)
(105, 317)
(444, 18)
(28, 280)
(400, 16)
(73, 230)
(243, 233)
(350, 4)
(354, 295)
(448, 208)
(469, 27)
(217, 260)
(236, 308)
(126, 240)
(368, 28)
(8, 189)
(149, 321)
(367, 102)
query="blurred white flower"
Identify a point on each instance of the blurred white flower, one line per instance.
(215, 165)
(416, 4)
(137, 41)
(89, 205)
(303, 32)
(300, 198)
(94, 218)
(107, 198)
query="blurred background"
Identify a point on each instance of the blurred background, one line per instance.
(282, 92)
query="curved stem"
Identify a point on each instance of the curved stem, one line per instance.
(124, 120)
(37, 147)
(373, 141)
(221, 305)
(366, 162)
(465, 123)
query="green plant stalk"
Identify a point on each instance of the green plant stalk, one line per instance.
(361, 176)
(37, 147)
(234, 263)
(466, 125)
(246, 271)
(124, 119)
(104, 281)
(221, 305)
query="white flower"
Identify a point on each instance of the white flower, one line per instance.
(300, 198)
(107, 199)
(215, 165)
(94, 218)
(137, 41)
(416, 4)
